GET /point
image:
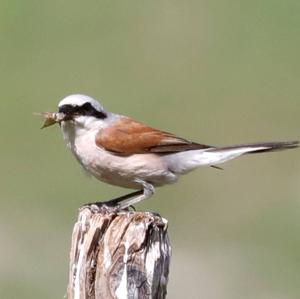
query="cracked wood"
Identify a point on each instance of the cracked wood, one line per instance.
(122, 255)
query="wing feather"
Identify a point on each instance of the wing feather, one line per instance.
(127, 136)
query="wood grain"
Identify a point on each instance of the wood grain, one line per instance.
(119, 255)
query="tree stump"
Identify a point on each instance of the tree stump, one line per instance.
(122, 255)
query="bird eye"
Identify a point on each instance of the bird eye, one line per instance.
(66, 109)
(89, 110)
(87, 107)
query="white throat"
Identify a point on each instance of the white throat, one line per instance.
(84, 127)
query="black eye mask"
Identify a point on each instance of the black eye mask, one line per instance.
(86, 109)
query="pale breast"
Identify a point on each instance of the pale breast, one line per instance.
(120, 170)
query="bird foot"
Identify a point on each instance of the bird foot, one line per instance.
(104, 208)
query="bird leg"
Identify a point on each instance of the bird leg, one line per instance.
(128, 200)
(147, 192)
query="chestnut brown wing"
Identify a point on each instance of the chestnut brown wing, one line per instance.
(127, 136)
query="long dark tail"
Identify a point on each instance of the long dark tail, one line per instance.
(261, 147)
(219, 155)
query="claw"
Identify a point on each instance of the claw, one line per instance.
(101, 207)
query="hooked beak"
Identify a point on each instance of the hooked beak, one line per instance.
(62, 116)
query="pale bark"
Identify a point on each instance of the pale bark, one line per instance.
(122, 255)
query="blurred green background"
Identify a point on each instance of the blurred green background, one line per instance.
(217, 72)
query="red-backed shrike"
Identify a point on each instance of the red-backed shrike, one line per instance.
(120, 151)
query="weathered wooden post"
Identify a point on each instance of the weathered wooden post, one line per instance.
(122, 255)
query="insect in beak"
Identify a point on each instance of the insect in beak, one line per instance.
(51, 118)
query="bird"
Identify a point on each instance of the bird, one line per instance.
(121, 151)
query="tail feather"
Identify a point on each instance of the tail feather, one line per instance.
(262, 147)
(224, 154)
(186, 161)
